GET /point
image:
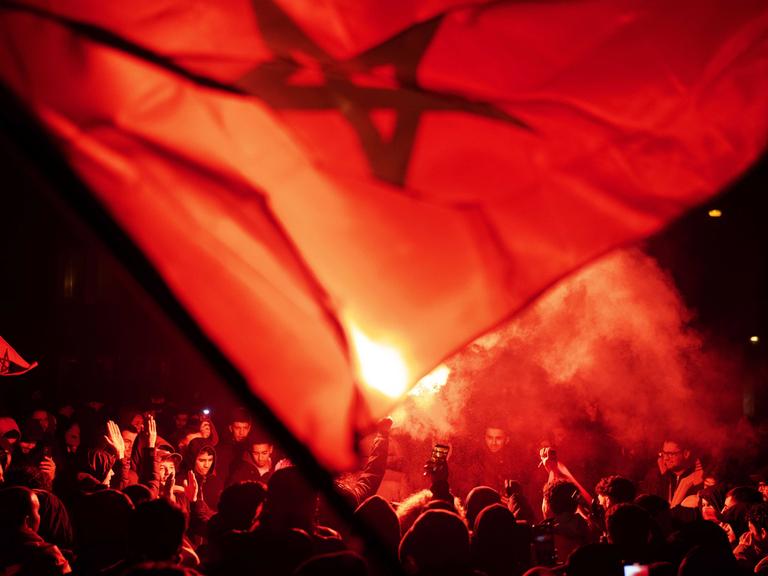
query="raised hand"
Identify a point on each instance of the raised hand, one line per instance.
(166, 488)
(48, 467)
(384, 425)
(190, 487)
(151, 430)
(548, 457)
(115, 440)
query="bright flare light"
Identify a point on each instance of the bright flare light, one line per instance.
(432, 382)
(380, 366)
(715, 213)
(754, 339)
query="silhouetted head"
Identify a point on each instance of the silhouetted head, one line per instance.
(240, 503)
(613, 490)
(344, 563)
(20, 509)
(477, 499)
(381, 519)
(595, 560)
(437, 543)
(499, 544)
(156, 531)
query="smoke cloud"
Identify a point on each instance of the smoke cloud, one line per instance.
(612, 346)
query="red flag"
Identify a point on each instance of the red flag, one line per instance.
(343, 195)
(11, 364)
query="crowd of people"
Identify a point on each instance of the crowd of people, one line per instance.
(92, 491)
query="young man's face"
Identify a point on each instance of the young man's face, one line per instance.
(758, 534)
(203, 463)
(27, 446)
(240, 430)
(673, 456)
(138, 422)
(495, 439)
(166, 469)
(262, 455)
(128, 439)
(41, 417)
(72, 436)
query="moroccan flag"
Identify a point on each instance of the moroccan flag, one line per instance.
(342, 194)
(11, 364)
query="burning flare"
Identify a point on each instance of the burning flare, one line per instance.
(379, 366)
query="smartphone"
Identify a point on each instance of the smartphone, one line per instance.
(636, 570)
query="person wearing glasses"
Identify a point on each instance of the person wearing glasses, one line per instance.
(676, 474)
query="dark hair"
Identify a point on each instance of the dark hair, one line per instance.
(16, 504)
(239, 503)
(758, 515)
(138, 493)
(27, 475)
(241, 415)
(628, 525)
(477, 499)
(157, 530)
(617, 488)
(591, 559)
(562, 496)
(344, 563)
(745, 495)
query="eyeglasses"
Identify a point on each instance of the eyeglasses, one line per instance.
(670, 454)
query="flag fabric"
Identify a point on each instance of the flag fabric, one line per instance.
(311, 178)
(11, 364)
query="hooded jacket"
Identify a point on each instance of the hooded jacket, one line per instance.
(209, 485)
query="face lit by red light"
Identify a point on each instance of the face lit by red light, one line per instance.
(41, 417)
(205, 429)
(763, 487)
(181, 420)
(262, 455)
(240, 430)
(495, 439)
(128, 439)
(138, 422)
(27, 446)
(72, 436)
(758, 534)
(674, 457)
(167, 467)
(203, 463)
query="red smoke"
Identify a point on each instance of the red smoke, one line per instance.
(614, 338)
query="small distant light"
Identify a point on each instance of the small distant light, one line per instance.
(754, 339)
(715, 213)
(206, 411)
